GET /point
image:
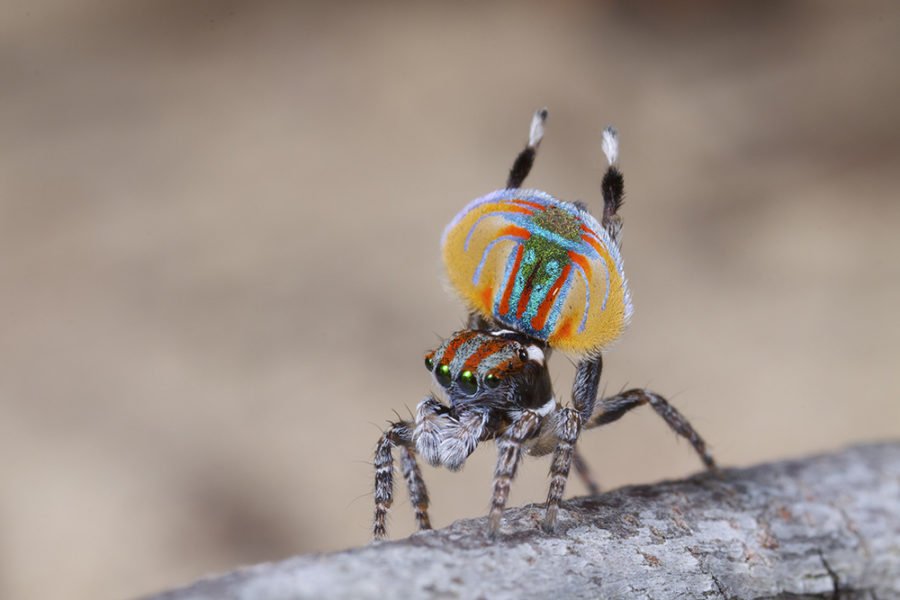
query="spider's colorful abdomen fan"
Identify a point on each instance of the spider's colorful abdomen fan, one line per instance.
(540, 266)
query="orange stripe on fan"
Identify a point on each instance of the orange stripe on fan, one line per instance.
(504, 302)
(514, 230)
(565, 330)
(593, 242)
(523, 301)
(486, 295)
(536, 205)
(583, 263)
(506, 207)
(540, 319)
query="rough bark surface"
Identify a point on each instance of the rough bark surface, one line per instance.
(821, 527)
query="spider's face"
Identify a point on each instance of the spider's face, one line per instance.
(488, 368)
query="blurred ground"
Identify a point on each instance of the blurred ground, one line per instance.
(219, 266)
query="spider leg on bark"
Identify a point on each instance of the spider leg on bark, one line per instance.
(509, 453)
(399, 434)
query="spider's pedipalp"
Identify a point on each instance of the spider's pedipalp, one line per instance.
(431, 419)
(460, 438)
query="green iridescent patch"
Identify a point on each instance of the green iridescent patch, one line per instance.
(560, 222)
(543, 260)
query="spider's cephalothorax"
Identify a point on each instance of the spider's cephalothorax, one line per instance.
(537, 273)
(486, 376)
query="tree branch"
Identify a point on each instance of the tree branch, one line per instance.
(821, 527)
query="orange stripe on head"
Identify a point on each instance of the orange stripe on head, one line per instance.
(540, 319)
(454, 345)
(487, 348)
(506, 367)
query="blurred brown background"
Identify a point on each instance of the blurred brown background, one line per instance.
(219, 264)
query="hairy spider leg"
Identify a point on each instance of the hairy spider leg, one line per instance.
(586, 386)
(568, 426)
(584, 472)
(587, 376)
(509, 453)
(612, 186)
(525, 160)
(613, 408)
(399, 434)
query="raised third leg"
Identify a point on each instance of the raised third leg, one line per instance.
(613, 408)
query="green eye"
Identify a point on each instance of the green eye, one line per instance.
(467, 382)
(491, 380)
(443, 375)
(429, 364)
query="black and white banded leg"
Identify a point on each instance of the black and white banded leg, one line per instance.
(398, 435)
(525, 160)
(613, 408)
(584, 472)
(568, 426)
(612, 186)
(509, 453)
(586, 386)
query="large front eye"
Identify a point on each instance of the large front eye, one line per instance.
(443, 375)
(467, 382)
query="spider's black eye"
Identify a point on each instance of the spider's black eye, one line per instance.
(467, 382)
(523, 354)
(443, 375)
(429, 364)
(491, 381)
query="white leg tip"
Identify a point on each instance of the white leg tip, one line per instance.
(536, 134)
(610, 145)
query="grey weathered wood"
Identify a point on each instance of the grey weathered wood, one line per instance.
(821, 527)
